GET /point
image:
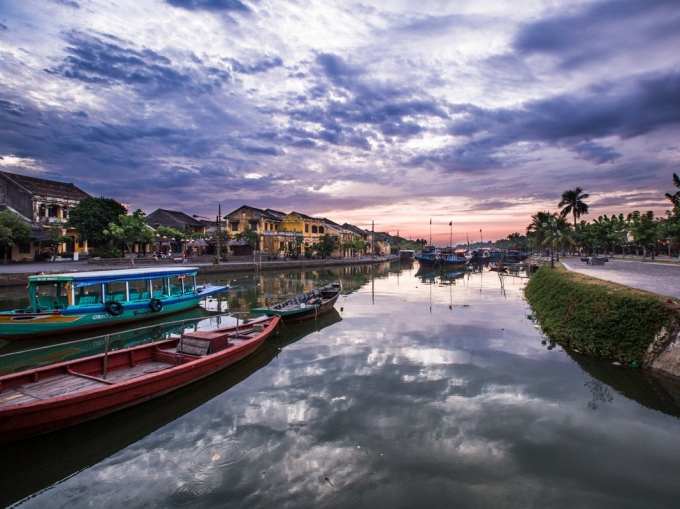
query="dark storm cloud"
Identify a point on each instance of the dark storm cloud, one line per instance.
(639, 106)
(597, 153)
(3, 27)
(95, 61)
(209, 5)
(598, 31)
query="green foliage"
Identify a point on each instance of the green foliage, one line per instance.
(572, 201)
(131, 229)
(57, 237)
(108, 251)
(170, 233)
(250, 237)
(602, 320)
(92, 216)
(326, 245)
(675, 198)
(13, 230)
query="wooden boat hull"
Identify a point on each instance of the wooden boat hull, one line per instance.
(17, 326)
(300, 311)
(88, 398)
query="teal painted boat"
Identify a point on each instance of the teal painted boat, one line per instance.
(64, 303)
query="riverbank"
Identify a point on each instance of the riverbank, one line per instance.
(17, 275)
(607, 320)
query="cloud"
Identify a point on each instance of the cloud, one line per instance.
(599, 154)
(210, 5)
(95, 61)
(595, 32)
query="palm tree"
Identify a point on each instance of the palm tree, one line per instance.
(675, 198)
(572, 201)
(536, 231)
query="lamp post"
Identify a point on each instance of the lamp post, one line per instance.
(552, 224)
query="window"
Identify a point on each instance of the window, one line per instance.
(234, 226)
(320, 229)
(306, 228)
(314, 229)
(253, 225)
(25, 247)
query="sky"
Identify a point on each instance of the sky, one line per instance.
(397, 112)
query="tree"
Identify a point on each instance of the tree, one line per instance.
(131, 229)
(250, 237)
(572, 201)
(56, 238)
(13, 231)
(644, 228)
(536, 231)
(675, 198)
(170, 233)
(92, 216)
(326, 245)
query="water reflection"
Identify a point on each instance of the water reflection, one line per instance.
(420, 396)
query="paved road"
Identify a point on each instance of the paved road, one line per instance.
(661, 278)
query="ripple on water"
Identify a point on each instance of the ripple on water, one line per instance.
(192, 491)
(220, 454)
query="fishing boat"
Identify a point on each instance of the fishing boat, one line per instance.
(441, 259)
(51, 397)
(304, 306)
(64, 303)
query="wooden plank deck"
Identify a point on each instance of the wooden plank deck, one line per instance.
(49, 388)
(125, 374)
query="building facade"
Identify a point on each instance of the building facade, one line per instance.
(44, 205)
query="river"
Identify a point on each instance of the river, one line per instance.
(420, 390)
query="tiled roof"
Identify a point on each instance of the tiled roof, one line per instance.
(43, 187)
(180, 216)
(268, 214)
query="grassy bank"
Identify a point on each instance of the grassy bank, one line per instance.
(600, 318)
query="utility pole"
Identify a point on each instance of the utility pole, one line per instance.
(219, 220)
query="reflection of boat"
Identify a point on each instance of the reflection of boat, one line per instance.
(103, 437)
(47, 398)
(296, 331)
(304, 306)
(62, 303)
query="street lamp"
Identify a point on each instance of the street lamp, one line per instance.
(553, 225)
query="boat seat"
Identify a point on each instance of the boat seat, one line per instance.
(46, 303)
(62, 302)
(87, 300)
(144, 296)
(135, 297)
(115, 296)
(189, 289)
(158, 294)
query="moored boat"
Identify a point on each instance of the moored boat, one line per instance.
(63, 303)
(51, 397)
(304, 306)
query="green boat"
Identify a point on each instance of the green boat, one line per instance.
(64, 303)
(304, 306)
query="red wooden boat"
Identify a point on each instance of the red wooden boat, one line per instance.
(51, 397)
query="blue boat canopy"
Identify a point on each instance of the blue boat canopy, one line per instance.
(106, 276)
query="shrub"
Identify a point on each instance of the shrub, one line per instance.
(598, 318)
(109, 252)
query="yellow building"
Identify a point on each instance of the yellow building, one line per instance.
(263, 222)
(310, 228)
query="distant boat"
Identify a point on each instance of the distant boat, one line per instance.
(304, 306)
(407, 255)
(436, 258)
(51, 397)
(64, 303)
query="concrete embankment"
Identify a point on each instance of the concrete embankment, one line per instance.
(607, 320)
(15, 278)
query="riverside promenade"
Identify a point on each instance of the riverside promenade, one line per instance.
(15, 274)
(661, 278)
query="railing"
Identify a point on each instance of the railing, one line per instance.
(29, 359)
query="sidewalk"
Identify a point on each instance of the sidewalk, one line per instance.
(661, 278)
